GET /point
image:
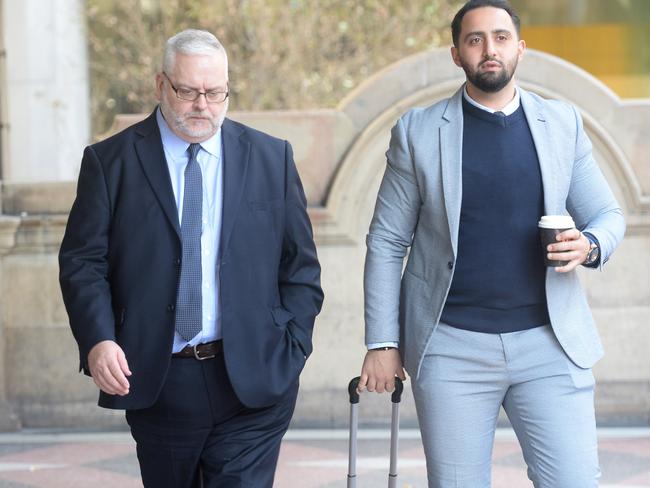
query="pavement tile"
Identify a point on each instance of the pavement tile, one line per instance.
(642, 479)
(296, 464)
(505, 450)
(638, 447)
(77, 453)
(11, 484)
(127, 465)
(619, 466)
(71, 477)
(508, 477)
(319, 462)
(7, 449)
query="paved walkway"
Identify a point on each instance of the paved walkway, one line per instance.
(309, 459)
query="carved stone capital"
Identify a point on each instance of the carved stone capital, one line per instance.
(8, 229)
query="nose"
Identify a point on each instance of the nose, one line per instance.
(490, 48)
(201, 102)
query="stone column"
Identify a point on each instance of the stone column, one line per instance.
(8, 419)
(47, 92)
(3, 93)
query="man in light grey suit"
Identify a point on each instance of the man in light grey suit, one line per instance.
(476, 318)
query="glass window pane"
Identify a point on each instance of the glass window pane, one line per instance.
(608, 38)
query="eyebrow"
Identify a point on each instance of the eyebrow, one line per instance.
(482, 34)
(216, 88)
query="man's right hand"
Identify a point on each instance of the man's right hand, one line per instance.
(108, 367)
(379, 370)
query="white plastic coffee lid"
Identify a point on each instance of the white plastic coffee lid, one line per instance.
(556, 222)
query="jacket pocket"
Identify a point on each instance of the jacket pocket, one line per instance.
(415, 276)
(281, 316)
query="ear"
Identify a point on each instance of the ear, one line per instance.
(455, 56)
(521, 48)
(160, 80)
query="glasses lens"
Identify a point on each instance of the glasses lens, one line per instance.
(216, 97)
(187, 94)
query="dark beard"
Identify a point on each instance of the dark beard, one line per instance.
(489, 82)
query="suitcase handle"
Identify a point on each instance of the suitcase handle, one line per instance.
(396, 397)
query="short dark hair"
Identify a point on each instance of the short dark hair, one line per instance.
(471, 5)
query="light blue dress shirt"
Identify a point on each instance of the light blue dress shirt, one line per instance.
(210, 159)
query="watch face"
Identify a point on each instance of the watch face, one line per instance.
(593, 255)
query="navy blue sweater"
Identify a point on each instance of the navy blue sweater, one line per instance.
(498, 283)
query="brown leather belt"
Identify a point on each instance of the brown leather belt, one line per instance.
(200, 352)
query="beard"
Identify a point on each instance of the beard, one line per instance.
(180, 122)
(490, 81)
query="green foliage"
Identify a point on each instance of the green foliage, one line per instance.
(291, 54)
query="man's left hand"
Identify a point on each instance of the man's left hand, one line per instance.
(572, 246)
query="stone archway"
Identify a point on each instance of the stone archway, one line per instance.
(621, 139)
(427, 77)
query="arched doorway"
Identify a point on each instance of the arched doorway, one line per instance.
(621, 140)
(425, 78)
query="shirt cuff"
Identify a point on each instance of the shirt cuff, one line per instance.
(376, 345)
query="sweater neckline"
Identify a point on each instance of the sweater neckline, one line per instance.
(493, 118)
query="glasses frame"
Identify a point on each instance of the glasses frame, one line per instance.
(198, 93)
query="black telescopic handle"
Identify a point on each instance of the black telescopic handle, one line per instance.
(396, 397)
(352, 390)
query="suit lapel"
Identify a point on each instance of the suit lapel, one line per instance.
(152, 159)
(236, 152)
(451, 152)
(548, 162)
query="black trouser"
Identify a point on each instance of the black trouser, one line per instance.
(198, 434)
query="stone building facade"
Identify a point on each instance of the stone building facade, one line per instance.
(340, 155)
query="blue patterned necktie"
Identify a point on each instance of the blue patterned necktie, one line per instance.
(189, 320)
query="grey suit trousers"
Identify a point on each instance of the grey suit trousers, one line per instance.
(467, 376)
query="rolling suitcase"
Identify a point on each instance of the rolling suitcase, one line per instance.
(396, 398)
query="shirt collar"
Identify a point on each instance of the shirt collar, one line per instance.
(510, 108)
(177, 147)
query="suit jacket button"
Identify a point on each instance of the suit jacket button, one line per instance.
(450, 265)
(177, 261)
(171, 308)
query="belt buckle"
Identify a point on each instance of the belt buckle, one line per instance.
(199, 358)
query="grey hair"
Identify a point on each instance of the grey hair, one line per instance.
(191, 41)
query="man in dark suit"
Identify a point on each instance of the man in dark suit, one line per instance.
(191, 280)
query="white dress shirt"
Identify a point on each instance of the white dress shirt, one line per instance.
(509, 109)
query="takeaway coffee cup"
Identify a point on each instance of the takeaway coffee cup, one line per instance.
(549, 227)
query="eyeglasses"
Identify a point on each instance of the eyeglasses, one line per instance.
(190, 94)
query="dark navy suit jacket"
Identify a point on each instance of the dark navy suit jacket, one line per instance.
(120, 262)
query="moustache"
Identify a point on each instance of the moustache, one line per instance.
(491, 60)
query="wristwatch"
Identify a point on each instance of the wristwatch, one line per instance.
(594, 252)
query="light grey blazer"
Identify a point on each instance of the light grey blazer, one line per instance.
(418, 207)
